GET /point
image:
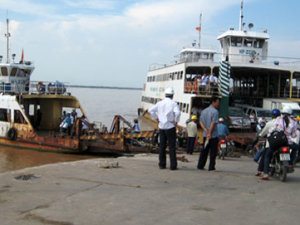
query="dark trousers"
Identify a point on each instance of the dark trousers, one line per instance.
(269, 155)
(190, 145)
(167, 137)
(262, 161)
(212, 149)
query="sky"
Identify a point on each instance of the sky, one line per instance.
(113, 42)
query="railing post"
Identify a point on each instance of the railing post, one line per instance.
(291, 84)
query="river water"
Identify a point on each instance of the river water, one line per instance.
(99, 104)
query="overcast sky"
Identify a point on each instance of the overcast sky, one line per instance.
(113, 42)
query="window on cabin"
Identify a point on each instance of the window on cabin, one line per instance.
(13, 72)
(18, 117)
(204, 55)
(4, 115)
(248, 42)
(239, 42)
(183, 107)
(4, 71)
(261, 43)
(21, 73)
(233, 41)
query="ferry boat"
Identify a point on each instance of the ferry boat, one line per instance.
(31, 112)
(254, 75)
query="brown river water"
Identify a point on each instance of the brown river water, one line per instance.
(99, 104)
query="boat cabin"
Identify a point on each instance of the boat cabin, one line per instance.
(244, 46)
(196, 55)
(15, 77)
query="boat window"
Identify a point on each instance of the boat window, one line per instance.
(13, 72)
(187, 108)
(21, 73)
(228, 41)
(248, 42)
(204, 56)
(18, 117)
(4, 115)
(181, 74)
(239, 42)
(261, 43)
(4, 71)
(233, 41)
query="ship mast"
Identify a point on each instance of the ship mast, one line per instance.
(200, 19)
(7, 35)
(241, 16)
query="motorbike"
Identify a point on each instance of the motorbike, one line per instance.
(225, 147)
(279, 163)
(222, 149)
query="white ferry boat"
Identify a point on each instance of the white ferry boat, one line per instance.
(254, 75)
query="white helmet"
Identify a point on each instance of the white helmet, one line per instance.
(287, 109)
(169, 91)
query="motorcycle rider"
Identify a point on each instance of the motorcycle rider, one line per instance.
(263, 134)
(287, 124)
(222, 129)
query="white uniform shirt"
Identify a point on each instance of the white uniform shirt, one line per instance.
(212, 79)
(167, 112)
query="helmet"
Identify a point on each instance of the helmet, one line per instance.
(221, 120)
(194, 117)
(169, 91)
(276, 112)
(287, 109)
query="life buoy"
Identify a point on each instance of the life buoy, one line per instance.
(40, 86)
(12, 134)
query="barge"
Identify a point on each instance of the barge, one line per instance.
(31, 116)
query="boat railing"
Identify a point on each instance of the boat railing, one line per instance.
(47, 87)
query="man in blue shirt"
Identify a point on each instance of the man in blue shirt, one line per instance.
(208, 122)
(222, 129)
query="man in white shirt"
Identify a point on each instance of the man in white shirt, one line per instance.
(167, 113)
(213, 82)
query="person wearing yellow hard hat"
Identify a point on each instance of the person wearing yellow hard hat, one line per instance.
(192, 134)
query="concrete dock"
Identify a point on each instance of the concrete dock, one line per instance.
(138, 193)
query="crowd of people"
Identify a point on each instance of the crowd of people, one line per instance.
(67, 125)
(167, 114)
(204, 83)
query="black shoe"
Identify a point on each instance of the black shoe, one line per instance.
(200, 168)
(162, 167)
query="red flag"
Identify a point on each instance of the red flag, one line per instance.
(22, 57)
(198, 28)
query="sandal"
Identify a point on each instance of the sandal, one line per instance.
(258, 173)
(265, 177)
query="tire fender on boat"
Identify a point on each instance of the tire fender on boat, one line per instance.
(12, 134)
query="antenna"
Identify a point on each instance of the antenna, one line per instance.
(7, 35)
(200, 20)
(241, 16)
